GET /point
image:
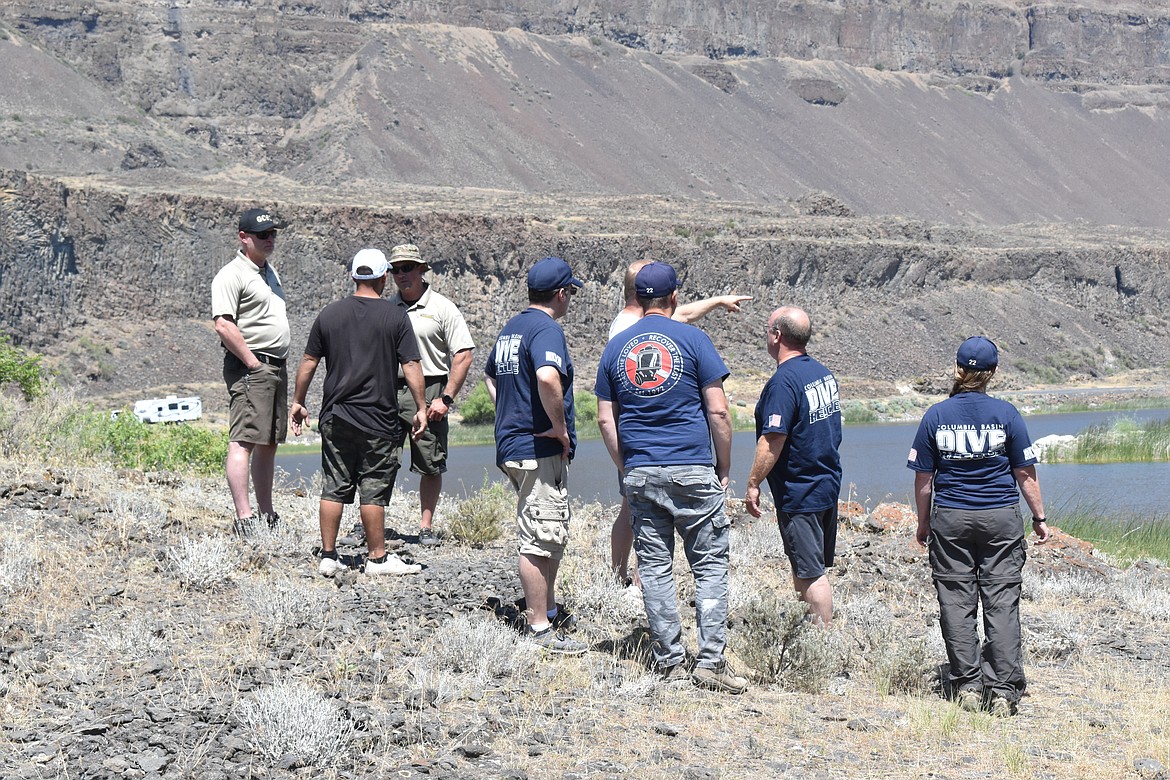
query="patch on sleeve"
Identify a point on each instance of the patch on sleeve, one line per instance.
(1030, 453)
(553, 357)
(913, 454)
(774, 421)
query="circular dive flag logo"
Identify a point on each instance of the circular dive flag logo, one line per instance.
(653, 364)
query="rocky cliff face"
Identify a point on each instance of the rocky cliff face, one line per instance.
(890, 298)
(845, 156)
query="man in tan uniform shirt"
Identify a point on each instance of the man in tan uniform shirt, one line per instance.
(446, 345)
(247, 305)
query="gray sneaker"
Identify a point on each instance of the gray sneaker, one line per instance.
(355, 538)
(719, 678)
(970, 700)
(555, 641)
(1000, 707)
(428, 538)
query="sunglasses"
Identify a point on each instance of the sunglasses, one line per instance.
(570, 290)
(405, 268)
(265, 235)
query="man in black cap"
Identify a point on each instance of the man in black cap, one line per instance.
(247, 305)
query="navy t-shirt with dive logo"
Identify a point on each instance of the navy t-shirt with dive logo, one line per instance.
(972, 442)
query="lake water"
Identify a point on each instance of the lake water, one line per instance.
(873, 459)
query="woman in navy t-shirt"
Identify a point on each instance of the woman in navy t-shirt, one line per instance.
(973, 456)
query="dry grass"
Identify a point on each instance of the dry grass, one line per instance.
(262, 649)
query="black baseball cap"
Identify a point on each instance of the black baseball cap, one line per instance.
(259, 220)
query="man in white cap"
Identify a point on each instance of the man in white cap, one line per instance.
(445, 344)
(247, 306)
(364, 340)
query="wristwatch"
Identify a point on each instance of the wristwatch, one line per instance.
(1039, 519)
(447, 400)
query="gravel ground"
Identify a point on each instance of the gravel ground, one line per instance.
(138, 639)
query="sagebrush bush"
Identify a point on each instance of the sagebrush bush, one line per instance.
(1060, 587)
(903, 664)
(773, 638)
(1141, 593)
(134, 638)
(1055, 636)
(592, 589)
(481, 646)
(204, 562)
(19, 566)
(480, 518)
(282, 605)
(289, 717)
(754, 542)
(134, 509)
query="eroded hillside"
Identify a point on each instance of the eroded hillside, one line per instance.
(912, 173)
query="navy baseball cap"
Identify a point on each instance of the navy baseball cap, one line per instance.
(551, 273)
(655, 280)
(260, 220)
(978, 353)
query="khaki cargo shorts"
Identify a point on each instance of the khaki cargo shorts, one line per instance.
(542, 511)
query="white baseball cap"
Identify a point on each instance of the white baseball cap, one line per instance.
(373, 261)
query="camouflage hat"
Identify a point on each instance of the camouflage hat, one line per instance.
(406, 253)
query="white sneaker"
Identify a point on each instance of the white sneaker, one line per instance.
(392, 565)
(330, 566)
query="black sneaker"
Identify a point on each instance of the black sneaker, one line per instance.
(564, 619)
(428, 538)
(245, 527)
(270, 519)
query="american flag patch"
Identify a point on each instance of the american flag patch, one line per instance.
(774, 421)
(913, 454)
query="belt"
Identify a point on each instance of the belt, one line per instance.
(427, 379)
(269, 359)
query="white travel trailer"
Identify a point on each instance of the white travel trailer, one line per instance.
(169, 409)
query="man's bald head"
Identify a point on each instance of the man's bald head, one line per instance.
(792, 324)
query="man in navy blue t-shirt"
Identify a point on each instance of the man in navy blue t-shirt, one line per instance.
(530, 378)
(798, 430)
(661, 406)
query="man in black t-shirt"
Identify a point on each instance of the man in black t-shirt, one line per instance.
(363, 340)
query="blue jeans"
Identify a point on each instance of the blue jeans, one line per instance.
(688, 499)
